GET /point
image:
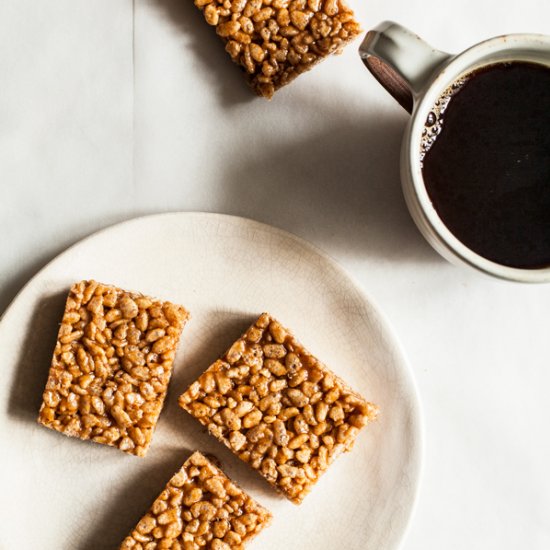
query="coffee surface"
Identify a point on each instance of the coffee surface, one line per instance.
(486, 162)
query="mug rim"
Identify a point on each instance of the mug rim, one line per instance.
(471, 59)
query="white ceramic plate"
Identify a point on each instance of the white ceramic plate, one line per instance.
(62, 493)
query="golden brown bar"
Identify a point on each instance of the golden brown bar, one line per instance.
(199, 508)
(278, 408)
(111, 366)
(274, 41)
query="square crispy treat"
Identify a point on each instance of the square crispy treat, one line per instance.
(111, 366)
(200, 507)
(274, 41)
(278, 408)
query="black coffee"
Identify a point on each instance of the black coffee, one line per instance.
(486, 162)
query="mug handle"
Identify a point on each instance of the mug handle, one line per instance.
(401, 61)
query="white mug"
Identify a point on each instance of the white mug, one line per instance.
(416, 75)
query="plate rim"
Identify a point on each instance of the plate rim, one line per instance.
(417, 409)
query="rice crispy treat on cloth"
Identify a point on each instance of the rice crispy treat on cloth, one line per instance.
(278, 408)
(200, 507)
(111, 366)
(274, 41)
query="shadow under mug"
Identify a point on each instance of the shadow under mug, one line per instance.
(416, 75)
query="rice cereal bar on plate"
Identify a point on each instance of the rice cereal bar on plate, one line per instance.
(111, 366)
(278, 408)
(200, 507)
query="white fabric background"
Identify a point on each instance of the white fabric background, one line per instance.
(112, 108)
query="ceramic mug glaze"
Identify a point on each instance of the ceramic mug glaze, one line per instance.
(416, 75)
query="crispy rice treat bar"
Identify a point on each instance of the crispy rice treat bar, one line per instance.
(274, 41)
(111, 366)
(278, 408)
(199, 508)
